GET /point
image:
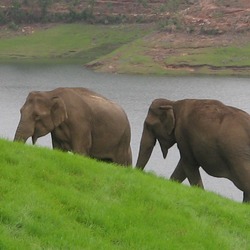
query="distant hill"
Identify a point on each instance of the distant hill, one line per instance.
(212, 16)
(186, 36)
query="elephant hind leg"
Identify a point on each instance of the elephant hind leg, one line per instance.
(108, 160)
(129, 157)
(123, 156)
(192, 173)
(246, 196)
(240, 176)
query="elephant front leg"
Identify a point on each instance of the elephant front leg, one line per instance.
(58, 144)
(191, 171)
(179, 174)
(82, 144)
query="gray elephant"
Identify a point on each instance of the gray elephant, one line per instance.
(208, 134)
(80, 121)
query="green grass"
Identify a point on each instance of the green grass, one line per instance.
(123, 49)
(218, 57)
(131, 58)
(80, 43)
(136, 58)
(54, 200)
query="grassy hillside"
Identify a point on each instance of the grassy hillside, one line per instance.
(54, 200)
(71, 43)
(133, 48)
(170, 54)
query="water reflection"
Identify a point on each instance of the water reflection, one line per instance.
(133, 93)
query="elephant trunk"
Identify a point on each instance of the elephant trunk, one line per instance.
(146, 147)
(143, 157)
(19, 137)
(22, 133)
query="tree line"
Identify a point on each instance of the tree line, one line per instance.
(35, 11)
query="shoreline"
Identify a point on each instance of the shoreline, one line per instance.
(147, 51)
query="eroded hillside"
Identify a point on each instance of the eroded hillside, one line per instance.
(207, 16)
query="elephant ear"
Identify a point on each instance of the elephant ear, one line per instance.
(169, 118)
(58, 111)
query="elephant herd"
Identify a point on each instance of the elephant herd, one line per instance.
(208, 133)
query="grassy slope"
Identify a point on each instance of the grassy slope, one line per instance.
(53, 200)
(78, 43)
(137, 58)
(123, 49)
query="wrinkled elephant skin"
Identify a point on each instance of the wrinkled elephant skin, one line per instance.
(80, 121)
(208, 134)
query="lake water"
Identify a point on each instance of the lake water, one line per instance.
(133, 93)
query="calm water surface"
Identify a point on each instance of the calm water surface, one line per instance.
(133, 93)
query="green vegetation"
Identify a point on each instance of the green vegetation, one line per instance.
(33, 11)
(217, 57)
(75, 43)
(124, 49)
(137, 58)
(91, 11)
(54, 200)
(130, 58)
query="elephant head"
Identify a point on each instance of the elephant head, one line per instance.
(158, 125)
(40, 114)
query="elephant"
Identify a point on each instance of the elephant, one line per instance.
(208, 134)
(80, 121)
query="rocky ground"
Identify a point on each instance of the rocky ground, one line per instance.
(206, 16)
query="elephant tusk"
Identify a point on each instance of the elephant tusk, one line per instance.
(34, 139)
